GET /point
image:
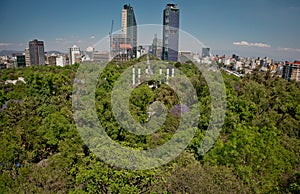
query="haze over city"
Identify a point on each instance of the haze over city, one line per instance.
(256, 28)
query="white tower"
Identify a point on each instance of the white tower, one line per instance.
(133, 76)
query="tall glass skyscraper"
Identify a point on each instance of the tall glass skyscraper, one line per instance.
(170, 33)
(129, 28)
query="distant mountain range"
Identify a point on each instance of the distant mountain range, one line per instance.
(11, 52)
(54, 52)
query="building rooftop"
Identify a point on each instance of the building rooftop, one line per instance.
(172, 6)
(127, 6)
(297, 62)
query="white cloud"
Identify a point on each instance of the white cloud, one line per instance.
(289, 49)
(5, 44)
(245, 43)
(294, 7)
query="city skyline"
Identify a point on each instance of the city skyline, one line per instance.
(257, 28)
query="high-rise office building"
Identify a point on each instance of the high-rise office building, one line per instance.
(27, 57)
(291, 71)
(170, 33)
(121, 48)
(129, 28)
(156, 47)
(205, 52)
(74, 55)
(36, 52)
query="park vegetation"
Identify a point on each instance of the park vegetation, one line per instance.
(41, 151)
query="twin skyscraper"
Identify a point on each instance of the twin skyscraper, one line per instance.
(124, 46)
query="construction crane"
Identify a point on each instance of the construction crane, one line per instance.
(110, 39)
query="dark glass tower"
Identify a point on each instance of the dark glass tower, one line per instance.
(129, 28)
(37, 54)
(170, 33)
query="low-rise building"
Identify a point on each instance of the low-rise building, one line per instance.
(61, 61)
(51, 60)
(21, 62)
(101, 56)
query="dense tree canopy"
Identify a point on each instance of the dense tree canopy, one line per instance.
(42, 151)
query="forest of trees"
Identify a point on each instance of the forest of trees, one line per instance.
(258, 150)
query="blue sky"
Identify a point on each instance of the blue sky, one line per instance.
(247, 28)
